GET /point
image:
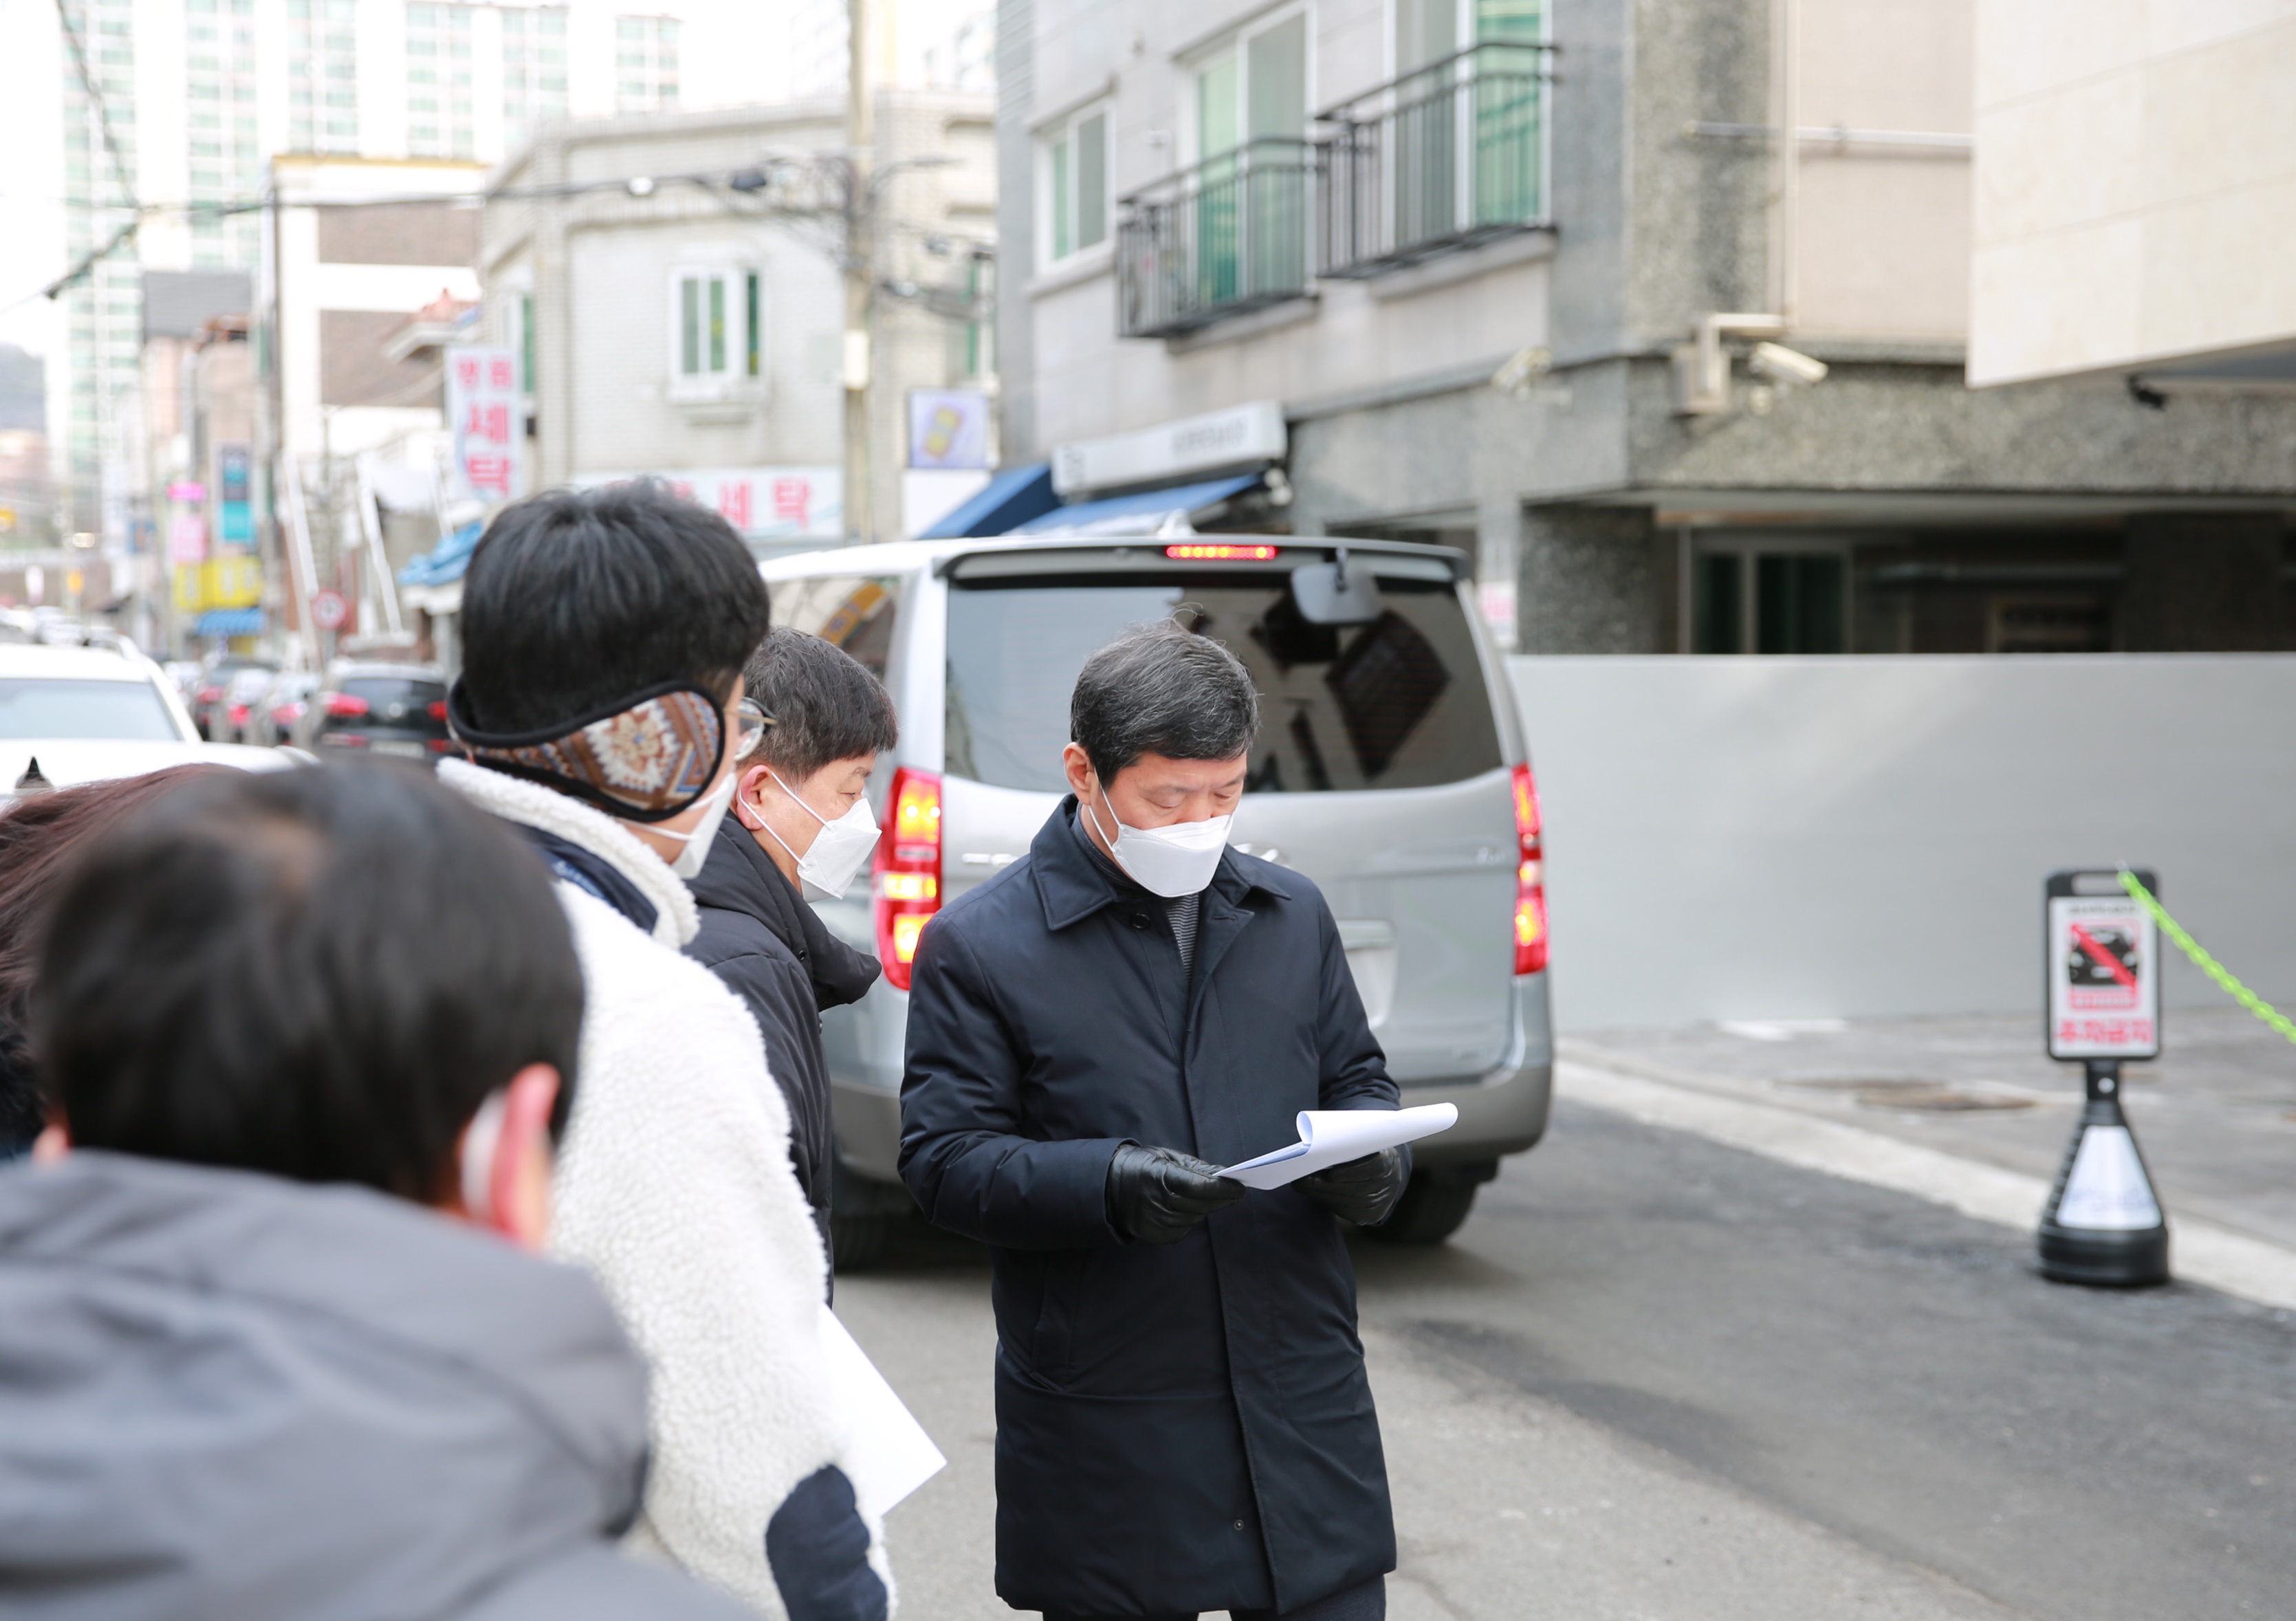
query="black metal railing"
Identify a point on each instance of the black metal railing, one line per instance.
(1228, 236)
(1448, 156)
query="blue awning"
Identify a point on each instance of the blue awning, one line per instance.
(229, 621)
(445, 561)
(1010, 499)
(1139, 513)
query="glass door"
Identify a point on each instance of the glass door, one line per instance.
(1275, 122)
(1219, 128)
(1507, 86)
(1426, 137)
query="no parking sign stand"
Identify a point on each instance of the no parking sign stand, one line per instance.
(2103, 1223)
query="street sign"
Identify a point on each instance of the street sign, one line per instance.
(2103, 1223)
(329, 609)
(2104, 966)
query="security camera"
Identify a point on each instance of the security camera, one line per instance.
(1790, 367)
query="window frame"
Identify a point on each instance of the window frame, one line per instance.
(1236, 43)
(1747, 550)
(1065, 133)
(746, 318)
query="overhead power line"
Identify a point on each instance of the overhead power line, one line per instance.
(95, 98)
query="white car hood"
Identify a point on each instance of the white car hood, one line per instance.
(69, 760)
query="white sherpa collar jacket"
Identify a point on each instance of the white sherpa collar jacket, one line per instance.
(674, 1191)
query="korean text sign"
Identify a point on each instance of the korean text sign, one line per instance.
(489, 421)
(2103, 968)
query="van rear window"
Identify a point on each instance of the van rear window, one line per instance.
(1397, 703)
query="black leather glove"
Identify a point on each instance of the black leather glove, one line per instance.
(1363, 1190)
(1155, 1196)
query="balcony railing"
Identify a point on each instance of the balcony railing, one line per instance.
(1448, 156)
(1230, 235)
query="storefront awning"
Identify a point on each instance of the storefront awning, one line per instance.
(1142, 513)
(229, 621)
(446, 561)
(1012, 497)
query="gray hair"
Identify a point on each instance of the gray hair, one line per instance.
(1158, 689)
(825, 704)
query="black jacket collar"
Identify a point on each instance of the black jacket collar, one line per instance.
(1073, 882)
(740, 877)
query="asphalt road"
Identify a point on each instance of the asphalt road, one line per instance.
(1658, 1380)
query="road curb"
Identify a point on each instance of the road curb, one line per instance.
(2204, 1253)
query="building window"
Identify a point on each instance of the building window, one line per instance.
(1752, 597)
(718, 329)
(1074, 179)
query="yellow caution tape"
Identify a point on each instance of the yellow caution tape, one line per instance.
(2206, 964)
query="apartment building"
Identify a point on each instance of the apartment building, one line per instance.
(192, 99)
(1663, 313)
(675, 285)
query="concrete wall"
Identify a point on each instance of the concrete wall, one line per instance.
(2135, 193)
(1750, 839)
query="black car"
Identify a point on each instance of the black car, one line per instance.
(385, 709)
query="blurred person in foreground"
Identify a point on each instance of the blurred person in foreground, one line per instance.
(39, 835)
(1183, 1420)
(802, 831)
(603, 636)
(264, 1348)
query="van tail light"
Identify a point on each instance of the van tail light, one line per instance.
(906, 872)
(1530, 878)
(209, 695)
(437, 711)
(343, 706)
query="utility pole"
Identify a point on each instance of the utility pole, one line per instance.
(860, 270)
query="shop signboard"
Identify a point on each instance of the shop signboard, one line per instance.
(484, 407)
(796, 503)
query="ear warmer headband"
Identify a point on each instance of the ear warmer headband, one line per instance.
(645, 759)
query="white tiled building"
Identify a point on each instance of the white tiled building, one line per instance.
(694, 330)
(2137, 193)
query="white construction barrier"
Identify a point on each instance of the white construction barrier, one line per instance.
(1748, 838)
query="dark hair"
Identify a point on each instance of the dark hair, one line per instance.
(1158, 689)
(578, 597)
(320, 974)
(825, 704)
(38, 838)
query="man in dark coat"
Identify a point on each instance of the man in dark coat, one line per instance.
(796, 834)
(1183, 1422)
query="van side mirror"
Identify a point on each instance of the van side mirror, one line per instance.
(1333, 594)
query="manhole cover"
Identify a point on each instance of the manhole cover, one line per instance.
(1938, 1100)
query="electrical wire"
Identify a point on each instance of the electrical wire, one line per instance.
(95, 98)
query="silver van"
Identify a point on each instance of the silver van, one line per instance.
(1389, 768)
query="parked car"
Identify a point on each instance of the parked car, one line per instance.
(1390, 768)
(233, 683)
(81, 714)
(275, 718)
(389, 708)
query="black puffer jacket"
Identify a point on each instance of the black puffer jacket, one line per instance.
(761, 938)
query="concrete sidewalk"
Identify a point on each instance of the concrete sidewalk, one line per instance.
(2216, 1115)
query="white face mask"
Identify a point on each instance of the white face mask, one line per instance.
(1169, 861)
(694, 841)
(827, 868)
(481, 1144)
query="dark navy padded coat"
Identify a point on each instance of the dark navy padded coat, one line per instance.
(1185, 1427)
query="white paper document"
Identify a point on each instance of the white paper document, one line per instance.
(891, 1455)
(1332, 1137)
